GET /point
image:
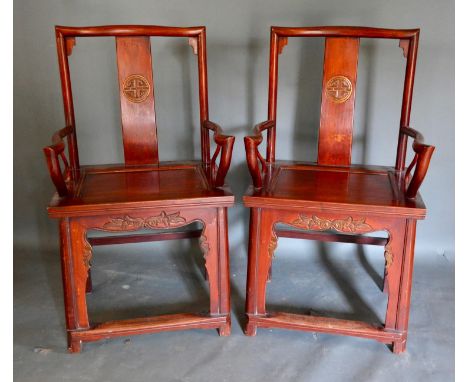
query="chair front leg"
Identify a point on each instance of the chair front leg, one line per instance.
(399, 255)
(262, 243)
(399, 269)
(215, 245)
(75, 253)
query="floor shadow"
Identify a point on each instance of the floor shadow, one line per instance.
(49, 262)
(342, 279)
(188, 267)
(344, 282)
(373, 274)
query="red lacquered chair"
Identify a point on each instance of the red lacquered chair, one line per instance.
(142, 193)
(331, 199)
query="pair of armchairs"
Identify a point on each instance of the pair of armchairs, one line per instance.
(328, 200)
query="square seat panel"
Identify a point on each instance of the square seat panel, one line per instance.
(102, 188)
(354, 188)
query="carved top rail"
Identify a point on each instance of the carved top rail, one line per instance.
(128, 30)
(344, 31)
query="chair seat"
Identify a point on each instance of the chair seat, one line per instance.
(104, 188)
(354, 188)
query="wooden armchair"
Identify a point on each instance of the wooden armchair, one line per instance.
(142, 193)
(331, 199)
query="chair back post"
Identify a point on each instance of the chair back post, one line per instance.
(407, 100)
(63, 52)
(272, 95)
(203, 95)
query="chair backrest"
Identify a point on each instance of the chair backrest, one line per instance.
(135, 76)
(339, 86)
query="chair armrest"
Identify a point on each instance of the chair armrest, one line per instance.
(224, 144)
(422, 158)
(253, 155)
(52, 154)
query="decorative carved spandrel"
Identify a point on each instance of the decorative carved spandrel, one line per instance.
(193, 42)
(70, 43)
(204, 246)
(87, 251)
(273, 244)
(282, 42)
(388, 258)
(404, 45)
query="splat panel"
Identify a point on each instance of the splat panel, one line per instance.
(338, 93)
(137, 100)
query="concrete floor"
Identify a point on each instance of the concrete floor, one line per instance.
(142, 279)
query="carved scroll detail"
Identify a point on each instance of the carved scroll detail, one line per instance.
(340, 225)
(193, 42)
(388, 258)
(205, 248)
(87, 251)
(127, 223)
(273, 244)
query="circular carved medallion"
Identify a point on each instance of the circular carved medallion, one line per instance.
(136, 88)
(339, 89)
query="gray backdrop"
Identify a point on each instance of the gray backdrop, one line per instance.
(238, 41)
(153, 278)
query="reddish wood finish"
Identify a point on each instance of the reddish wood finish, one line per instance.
(336, 117)
(138, 115)
(172, 322)
(298, 185)
(357, 239)
(331, 199)
(326, 325)
(143, 193)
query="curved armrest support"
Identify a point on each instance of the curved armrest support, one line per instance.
(422, 158)
(224, 144)
(52, 154)
(253, 155)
